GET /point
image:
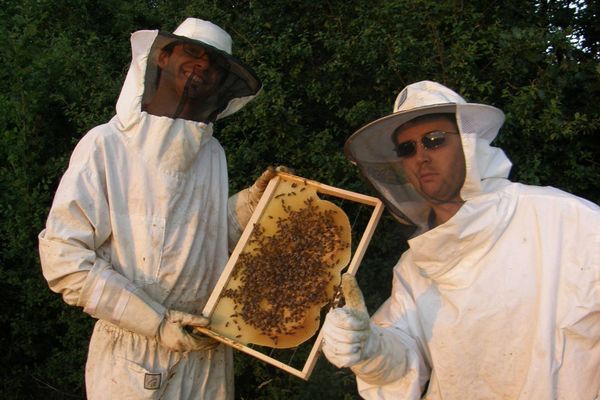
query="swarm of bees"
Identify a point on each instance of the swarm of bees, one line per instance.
(289, 267)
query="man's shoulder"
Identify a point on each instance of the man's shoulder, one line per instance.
(100, 132)
(98, 136)
(551, 196)
(92, 145)
(541, 191)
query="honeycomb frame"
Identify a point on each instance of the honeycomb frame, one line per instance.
(355, 260)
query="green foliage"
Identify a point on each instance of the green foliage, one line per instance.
(328, 68)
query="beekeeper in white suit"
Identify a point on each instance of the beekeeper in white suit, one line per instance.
(498, 295)
(139, 228)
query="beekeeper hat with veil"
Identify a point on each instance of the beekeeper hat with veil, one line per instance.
(372, 149)
(238, 82)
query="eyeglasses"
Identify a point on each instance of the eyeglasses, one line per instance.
(431, 140)
(194, 50)
(199, 52)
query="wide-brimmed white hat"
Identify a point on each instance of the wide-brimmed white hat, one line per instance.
(204, 32)
(373, 142)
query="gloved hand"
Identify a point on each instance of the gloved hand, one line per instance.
(110, 296)
(176, 332)
(244, 202)
(348, 336)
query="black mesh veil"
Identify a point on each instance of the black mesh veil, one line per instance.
(237, 81)
(371, 148)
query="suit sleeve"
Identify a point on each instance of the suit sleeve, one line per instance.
(70, 246)
(386, 375)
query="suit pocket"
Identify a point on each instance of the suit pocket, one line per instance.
(132, 381)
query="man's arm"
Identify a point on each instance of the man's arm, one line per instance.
(241, 205)
(387, 361)
(77, 227)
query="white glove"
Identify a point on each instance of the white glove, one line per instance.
(243, 203)
(348, 335)
(110, 296)
(176, 332)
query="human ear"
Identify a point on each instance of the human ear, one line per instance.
(163, 59)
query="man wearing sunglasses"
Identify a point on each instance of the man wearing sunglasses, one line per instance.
(139, 229)
(498, 295)
(433, 162)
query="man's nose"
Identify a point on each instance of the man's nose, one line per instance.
(201, 64)
(421, 153)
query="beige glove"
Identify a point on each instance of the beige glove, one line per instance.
(110, 296)
(176, 332)
(243, 203)
(348, 335)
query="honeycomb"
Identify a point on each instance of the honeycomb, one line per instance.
(287, 271)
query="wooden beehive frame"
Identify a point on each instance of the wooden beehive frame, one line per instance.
(352, 267)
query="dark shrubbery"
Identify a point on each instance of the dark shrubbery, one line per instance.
(328, 68)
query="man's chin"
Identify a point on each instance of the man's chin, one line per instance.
(440, 198)
(198, 92)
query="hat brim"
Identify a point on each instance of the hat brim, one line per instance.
(373, 142)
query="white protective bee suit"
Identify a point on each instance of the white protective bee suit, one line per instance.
(138, 231)
(502, 301)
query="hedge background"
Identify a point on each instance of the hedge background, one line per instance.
(328, 68)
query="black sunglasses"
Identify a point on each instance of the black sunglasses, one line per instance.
(431, 140)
